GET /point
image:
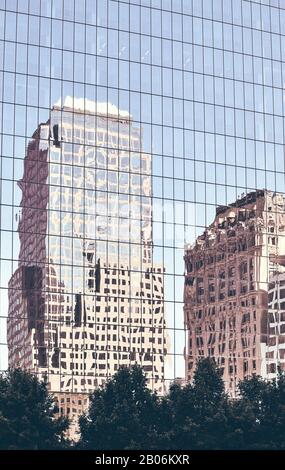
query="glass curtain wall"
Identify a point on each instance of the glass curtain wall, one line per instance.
(142, 181)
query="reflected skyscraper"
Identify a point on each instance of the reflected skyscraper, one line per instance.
(86, 297)
(232, 289)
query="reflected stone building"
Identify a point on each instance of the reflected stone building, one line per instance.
(86, 297)
(275, 355)
(230, 270)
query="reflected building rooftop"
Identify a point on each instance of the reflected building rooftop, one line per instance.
(86, 106)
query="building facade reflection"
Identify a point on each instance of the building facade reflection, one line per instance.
(204, 80)
(231, 289)
(86, 297)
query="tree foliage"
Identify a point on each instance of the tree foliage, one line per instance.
(259, 414)
(200, 411)
(28, 414)
(125, 414)
(122, 414)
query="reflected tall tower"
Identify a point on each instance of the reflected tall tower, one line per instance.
(233, 289)
(86, 297)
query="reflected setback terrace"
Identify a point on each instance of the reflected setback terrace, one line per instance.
(86, 297)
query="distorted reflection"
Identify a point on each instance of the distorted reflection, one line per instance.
(87, 297)
(234, 301)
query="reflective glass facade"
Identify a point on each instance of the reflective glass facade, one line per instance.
(142, 181)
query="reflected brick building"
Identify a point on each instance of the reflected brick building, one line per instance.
(86, 297)
(229, 271)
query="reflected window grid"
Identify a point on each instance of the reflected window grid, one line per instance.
(130, 134)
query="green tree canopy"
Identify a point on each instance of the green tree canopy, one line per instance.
(28, 413)
(125, 414)
(200, 410)
(259, 414)
(122, 414)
